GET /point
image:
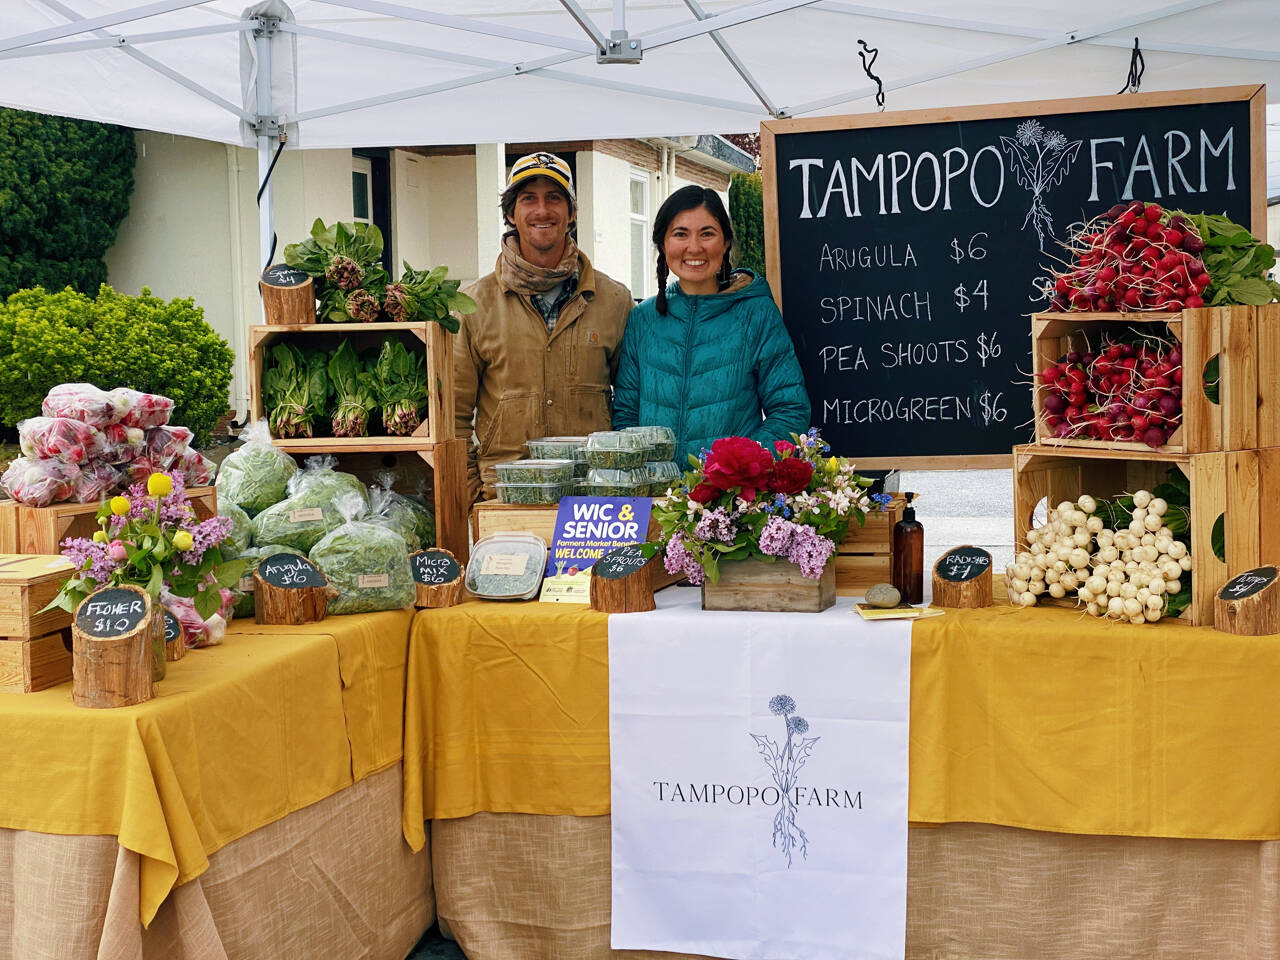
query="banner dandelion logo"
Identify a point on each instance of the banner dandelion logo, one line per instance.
(785, 764)
(1039, 159)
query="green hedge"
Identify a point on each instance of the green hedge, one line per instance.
(746, 212)
(64, 188)
(113, 340)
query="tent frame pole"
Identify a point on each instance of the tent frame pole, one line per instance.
(262, 89)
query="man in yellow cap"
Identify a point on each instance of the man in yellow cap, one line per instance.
(539, 355)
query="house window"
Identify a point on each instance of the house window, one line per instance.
(361, 189)
(642, 260)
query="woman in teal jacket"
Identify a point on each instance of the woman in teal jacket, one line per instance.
(708, 356)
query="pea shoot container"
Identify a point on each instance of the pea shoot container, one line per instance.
(615, 450)
(507, 566)
(535, 471)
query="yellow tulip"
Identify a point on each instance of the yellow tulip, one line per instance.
(182, 540)
(833, 464)
(120, 506)
(100, 537)
(159, 485)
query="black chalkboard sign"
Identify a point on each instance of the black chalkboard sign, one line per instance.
(172, 629)
(434, 567)
(282, 275)
(961, 564)
(111, 612)
(290, 570)
(1248, 583)
(907, 251)
(620, 563)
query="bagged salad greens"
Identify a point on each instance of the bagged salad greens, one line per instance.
(256, 475)
(241, 535)
(242, 592)
(393, 514)
(309, 512)
(319, 471)
(366, 562)
(422, 505)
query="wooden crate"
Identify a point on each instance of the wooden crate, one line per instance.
(433, 441)
(1246, 341)
(865, 556)
(27, 584)
(1227, 487)
(37, 664)
(42, 529)
(8, 526)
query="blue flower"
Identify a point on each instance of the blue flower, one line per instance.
(883, 499)
(797, 725)
(781, 704)
(786, 512)
(813, 431)
(826, 448)
(769, 508)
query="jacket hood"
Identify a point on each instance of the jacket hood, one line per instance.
(744, 285)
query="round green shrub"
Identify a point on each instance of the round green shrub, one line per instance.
(64, 188)
(746, 212)
(113, 340)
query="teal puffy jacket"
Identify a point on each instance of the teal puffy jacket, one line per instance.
(719, 365)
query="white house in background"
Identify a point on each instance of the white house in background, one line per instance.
(192, 228)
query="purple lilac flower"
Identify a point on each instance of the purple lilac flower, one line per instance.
(810, 551)
(90, 558)
(716, 525)
(206, 534)
(776, 537)
(679, 559)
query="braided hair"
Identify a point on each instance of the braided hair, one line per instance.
(690, 198)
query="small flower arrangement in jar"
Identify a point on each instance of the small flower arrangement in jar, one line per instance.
(150, 537)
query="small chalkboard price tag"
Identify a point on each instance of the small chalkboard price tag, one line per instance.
(288, 295)
(290, 589)
(175, 638)
(439, 578)
(111, 649)
(622, 581)
(290, 570)
(962, 578)
(1249, 603)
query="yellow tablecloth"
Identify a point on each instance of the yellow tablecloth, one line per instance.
(237, 736)
(1041, 718)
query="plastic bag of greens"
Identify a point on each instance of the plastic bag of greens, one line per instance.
(241, 531)
(256, 475)
(422, 505)
(320, 472)
(367, 563)
(302, 519)
(386, 511)
(417, 521)
(242, 592)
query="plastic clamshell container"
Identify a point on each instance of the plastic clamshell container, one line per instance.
(533, 493)
(662, 474)
(615, 450)
(535, 471)
(580, 469)
(593, 489)
(507, 566)
(660, 442)
(558, 448)
(631, 478)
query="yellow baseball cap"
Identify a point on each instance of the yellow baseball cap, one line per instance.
(542, 165)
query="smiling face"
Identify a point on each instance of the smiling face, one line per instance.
(542, 216)
(694, 248)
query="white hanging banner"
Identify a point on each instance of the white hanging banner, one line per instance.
(759, 782)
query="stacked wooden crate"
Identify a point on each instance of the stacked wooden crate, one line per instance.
(35, 646)
(42, 529)
(1229, 451)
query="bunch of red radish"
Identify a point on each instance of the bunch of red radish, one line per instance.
(1136, 256)
(1124, 391)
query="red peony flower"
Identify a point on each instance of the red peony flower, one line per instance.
(791, 475)
(784, 448)
(738, 462)
(703, 493)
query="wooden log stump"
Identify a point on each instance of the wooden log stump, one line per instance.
(290, 589)
(438, 577)
(288, 296)
(962, 578)
(111, 647)
(1249, 604)
(175, 638)
(622, 581)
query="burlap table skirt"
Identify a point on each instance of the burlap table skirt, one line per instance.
(523, 887)
(334, 879)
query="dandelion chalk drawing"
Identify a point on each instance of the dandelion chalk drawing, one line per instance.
(1053, 155)
(785, 765)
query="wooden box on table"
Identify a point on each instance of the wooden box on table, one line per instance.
(865, 556)
(35, 650)
(1228, 490)
(35, 664)
(42, 529)
(1245, 340)
(433, 441)
(8, 526)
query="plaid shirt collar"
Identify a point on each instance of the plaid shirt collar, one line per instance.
(550, 309)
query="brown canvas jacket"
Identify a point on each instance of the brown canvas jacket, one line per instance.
(523, 382)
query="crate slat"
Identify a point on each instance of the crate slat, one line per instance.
(42, 529)
(30, 665)
(27, 584)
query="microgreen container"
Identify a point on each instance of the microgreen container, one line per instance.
(662, 474)
(535, 471)
(580, 469)
(507, 566)
(631, 478)
(615, 450)
(534, 493)
(592, 488)
(659, 442)
(558, 448)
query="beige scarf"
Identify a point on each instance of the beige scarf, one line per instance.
(523, 277)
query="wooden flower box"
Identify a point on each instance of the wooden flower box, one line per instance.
(1227, 490)
(1246, 341)
(42, 529)
(36, 664)
(778, 587)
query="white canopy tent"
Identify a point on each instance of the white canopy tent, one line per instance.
(359, 73)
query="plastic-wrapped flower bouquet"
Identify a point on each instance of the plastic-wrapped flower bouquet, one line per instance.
(150, 538)
(741, 501)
